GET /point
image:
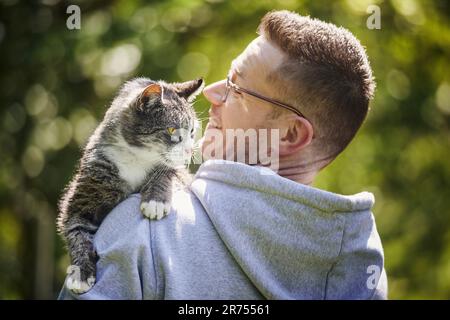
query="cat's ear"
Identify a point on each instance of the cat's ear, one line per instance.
(190, 89)
(151, 94)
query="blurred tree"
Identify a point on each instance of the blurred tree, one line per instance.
(56, 83)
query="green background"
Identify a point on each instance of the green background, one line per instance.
(55, 85)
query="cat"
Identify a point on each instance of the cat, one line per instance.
(140, 146)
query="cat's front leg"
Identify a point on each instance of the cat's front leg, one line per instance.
(157, 193)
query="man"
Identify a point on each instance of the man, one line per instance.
(241, 232)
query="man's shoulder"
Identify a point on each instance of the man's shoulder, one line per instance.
(123, 220)
(126, 222)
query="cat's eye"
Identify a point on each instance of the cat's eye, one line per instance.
(171, 130)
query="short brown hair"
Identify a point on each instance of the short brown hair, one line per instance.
(326, 75)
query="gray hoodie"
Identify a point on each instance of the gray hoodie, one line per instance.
(242, 233)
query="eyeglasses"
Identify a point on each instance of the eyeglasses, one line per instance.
(232, 86)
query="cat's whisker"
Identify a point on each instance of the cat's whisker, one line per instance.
(197, 144)
(203, 116)
(203, 113)
(197, 158)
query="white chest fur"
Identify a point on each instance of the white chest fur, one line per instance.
(133, 163)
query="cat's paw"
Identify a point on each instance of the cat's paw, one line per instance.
(77, 286)
(155, 209)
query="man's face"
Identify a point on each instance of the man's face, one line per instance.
(242, 111)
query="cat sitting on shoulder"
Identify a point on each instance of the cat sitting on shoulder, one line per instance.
(141, 145)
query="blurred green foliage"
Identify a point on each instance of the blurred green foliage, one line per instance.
(55, 85)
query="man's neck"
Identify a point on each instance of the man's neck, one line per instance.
(301, 170)
(304, 177)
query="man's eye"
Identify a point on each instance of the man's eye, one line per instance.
(237, 94)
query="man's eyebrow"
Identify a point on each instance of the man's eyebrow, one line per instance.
(238, 73)
(235, 73)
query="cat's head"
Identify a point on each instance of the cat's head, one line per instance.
(160, 117)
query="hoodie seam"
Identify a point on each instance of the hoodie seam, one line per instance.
(286, 197)
(333, 265)
(155, 270)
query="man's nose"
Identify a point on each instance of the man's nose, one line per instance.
(214, 92)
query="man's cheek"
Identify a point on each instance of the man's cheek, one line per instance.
(232, 122)
(231, 118)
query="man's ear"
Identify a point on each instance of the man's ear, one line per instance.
(151, 94)
(296, 135)
(189, 89)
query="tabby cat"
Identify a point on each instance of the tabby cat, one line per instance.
(140, 146)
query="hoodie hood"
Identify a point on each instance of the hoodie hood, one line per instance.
(285, 236)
